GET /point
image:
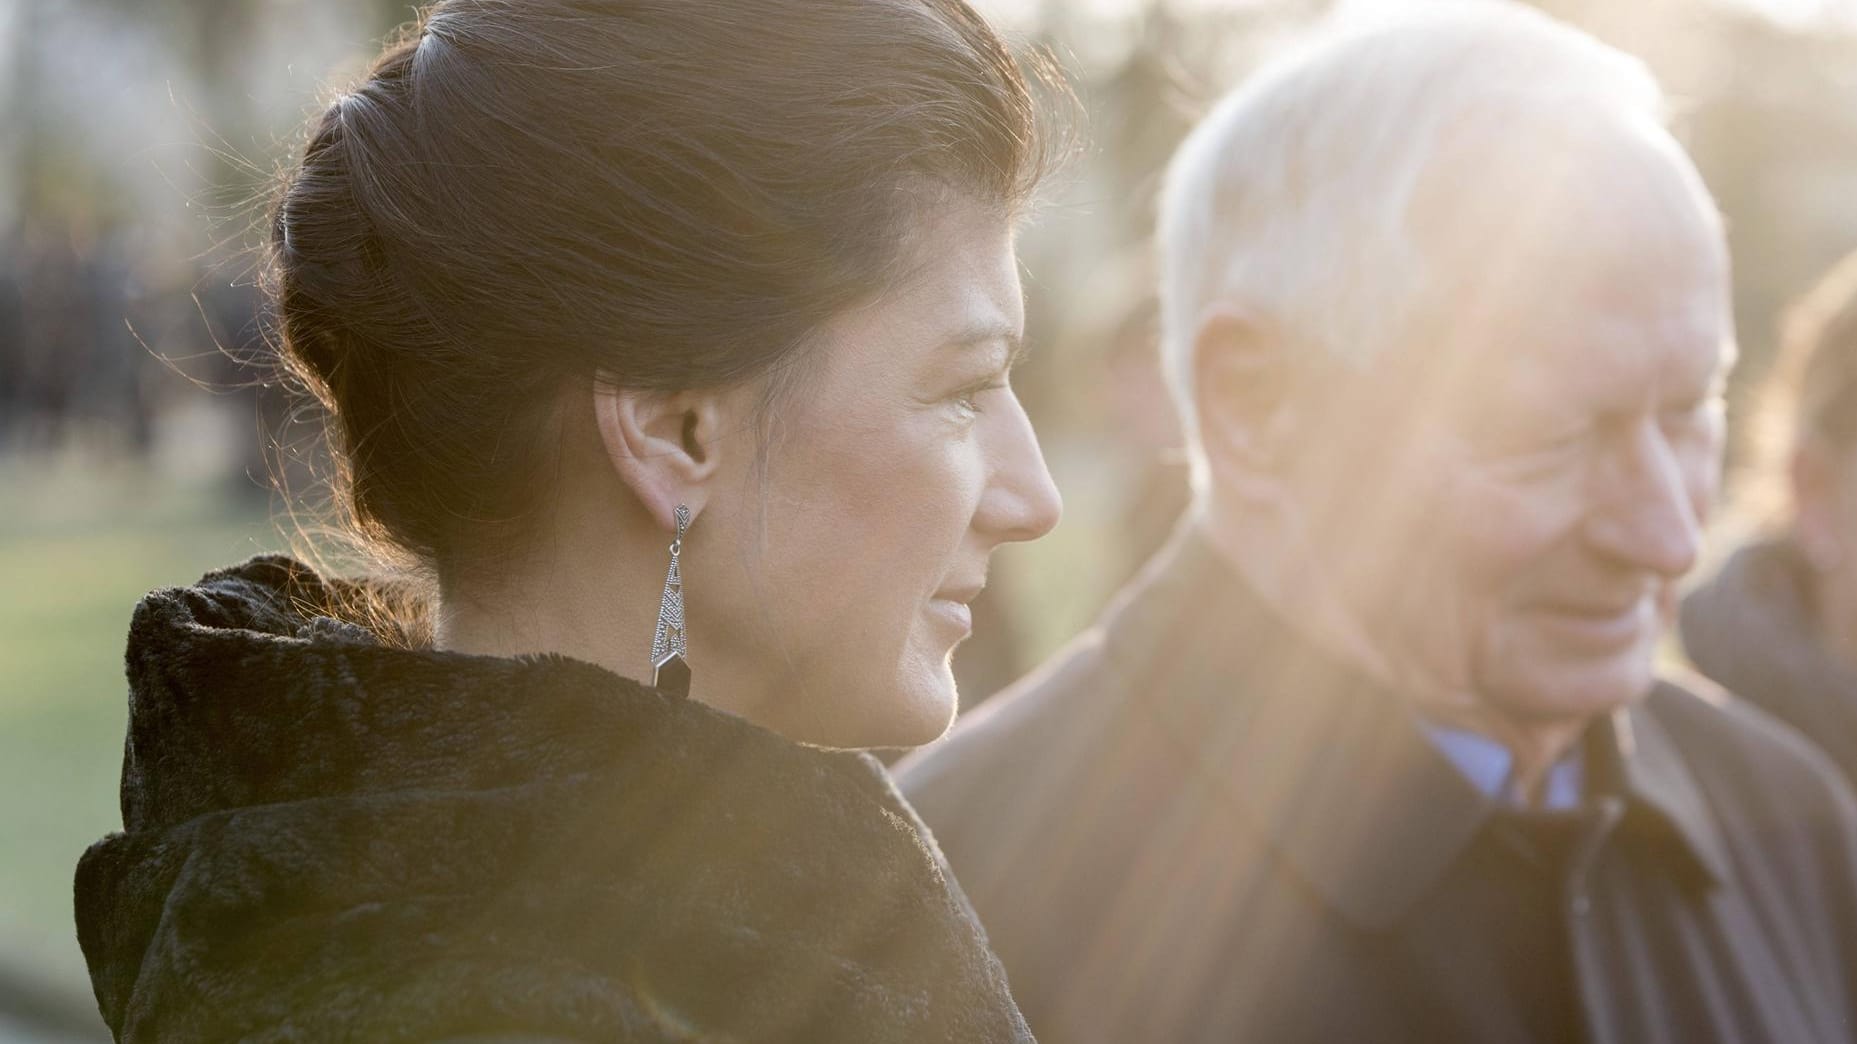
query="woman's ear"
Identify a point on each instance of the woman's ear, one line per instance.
(666, 447)
(1241, 392)
(1814, 479)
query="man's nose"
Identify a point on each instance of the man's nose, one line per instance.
(1648, 516)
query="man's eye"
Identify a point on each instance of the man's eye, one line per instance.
(1532, 447)
(1691, 413)
(1566, 442)
(1529, 459)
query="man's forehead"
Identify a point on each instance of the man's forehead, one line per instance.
(1575, 338)
(1580, 270)
(1553, 196)
(1681, 347)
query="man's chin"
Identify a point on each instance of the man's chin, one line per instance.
(1576, 691)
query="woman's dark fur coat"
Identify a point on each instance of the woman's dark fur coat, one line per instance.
(329, 838)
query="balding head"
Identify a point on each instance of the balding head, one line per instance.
(1347, 189)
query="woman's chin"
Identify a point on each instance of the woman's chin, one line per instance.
(925, 712)
(908, 715)
(927, 727)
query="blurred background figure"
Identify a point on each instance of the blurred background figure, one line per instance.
(1777, 624)
(137, 131)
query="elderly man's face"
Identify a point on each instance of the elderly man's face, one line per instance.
(1507, 504)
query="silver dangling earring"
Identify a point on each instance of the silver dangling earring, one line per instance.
(670, 664)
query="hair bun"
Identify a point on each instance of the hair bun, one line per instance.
(329, 266)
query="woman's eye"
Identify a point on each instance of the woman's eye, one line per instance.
(968, 398)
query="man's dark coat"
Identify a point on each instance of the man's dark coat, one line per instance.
(1194, 827)
(327, 838)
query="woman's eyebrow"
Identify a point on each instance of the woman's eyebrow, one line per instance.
(986, 333)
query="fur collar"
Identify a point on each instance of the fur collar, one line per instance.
(327, 837)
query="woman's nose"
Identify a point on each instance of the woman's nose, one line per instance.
(1021, 501)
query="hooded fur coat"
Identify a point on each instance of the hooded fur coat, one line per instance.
(327, 837)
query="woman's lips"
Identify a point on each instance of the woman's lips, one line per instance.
(956, 614)
(952, 604)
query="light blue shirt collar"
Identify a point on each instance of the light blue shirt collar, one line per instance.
(1489, 767)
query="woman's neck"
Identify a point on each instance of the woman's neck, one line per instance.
(599, 606)
(534, 604)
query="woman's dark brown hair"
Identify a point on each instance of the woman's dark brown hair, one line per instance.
(671, 193)
(1817, 374)
(1809, 395)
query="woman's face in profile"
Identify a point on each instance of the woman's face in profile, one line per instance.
(892, 471)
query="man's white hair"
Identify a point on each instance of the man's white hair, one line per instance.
(1291, 201)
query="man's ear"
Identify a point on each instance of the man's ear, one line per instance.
(665, 446)
(1242, 396)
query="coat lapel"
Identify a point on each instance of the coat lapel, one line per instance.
(1328, 767)
(1327, 764)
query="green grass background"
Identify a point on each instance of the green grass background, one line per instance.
(79, 544)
